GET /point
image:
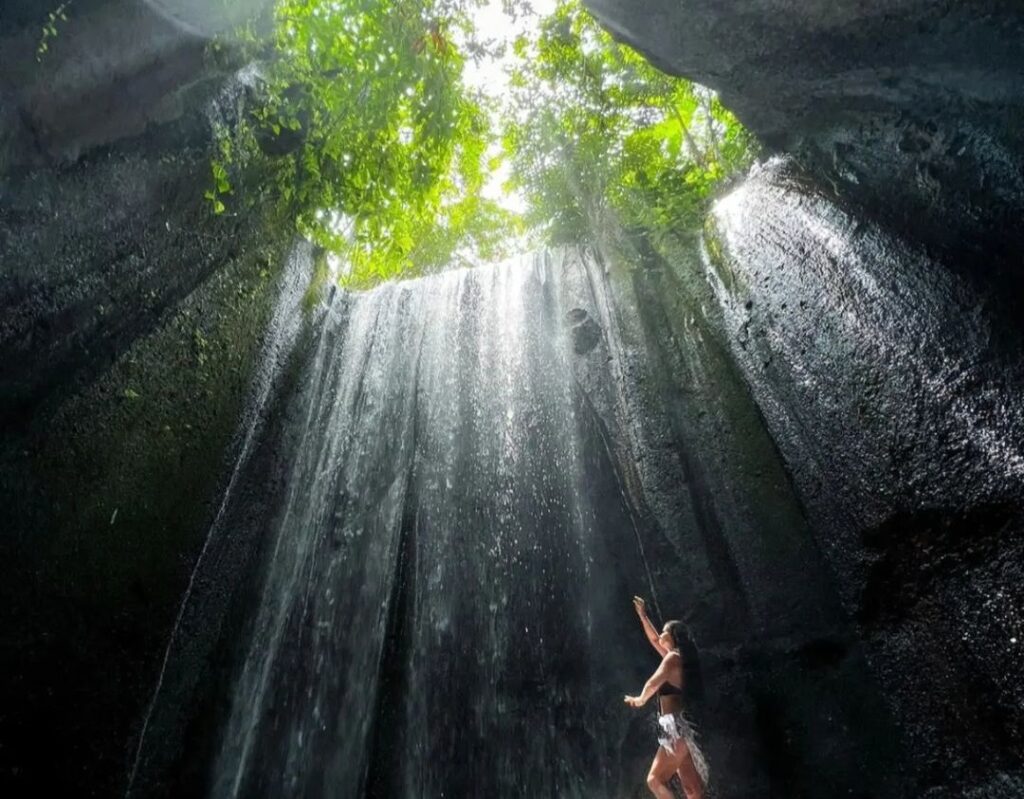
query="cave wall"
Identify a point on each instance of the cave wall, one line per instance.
(869, 290)
(887, 373)
(693, 508)
(893, 388)
(791, 706)
(912, 110)
(133, 340)
(105, 158)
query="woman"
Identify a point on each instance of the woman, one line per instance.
(677, 751)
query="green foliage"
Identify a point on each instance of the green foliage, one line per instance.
(367, 140)
(49, 32)
(201, 345)
(366, 136)
(596, 133)
(317, 281)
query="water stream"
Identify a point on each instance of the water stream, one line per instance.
(281, 336)
(433, 622)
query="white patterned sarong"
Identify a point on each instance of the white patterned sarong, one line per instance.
(673, 727)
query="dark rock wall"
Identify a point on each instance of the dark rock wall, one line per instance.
(913, 109)
(843, 407)
(102, 223)
(174, 736)
(131, 323)
(106, 501)
(870, 291)
(893, 388)
(791, 707)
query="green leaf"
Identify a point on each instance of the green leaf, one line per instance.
(396, 152)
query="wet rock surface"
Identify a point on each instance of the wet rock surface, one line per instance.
(107, 499)
(815, 433)
(103, 226)
(870, 292)
(131, 327)
(912, 109)
(586, 333)
(893, 388)
(790, 705)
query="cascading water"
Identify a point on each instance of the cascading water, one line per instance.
(435, 615)
(419, 584)
(174, 681)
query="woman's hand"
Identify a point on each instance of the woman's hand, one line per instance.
(640, 606)
(634, 701)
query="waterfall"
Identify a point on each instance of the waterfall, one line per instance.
(173, 681)
(436, 614)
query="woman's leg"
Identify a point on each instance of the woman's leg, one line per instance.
(692, 784)
(662, 770)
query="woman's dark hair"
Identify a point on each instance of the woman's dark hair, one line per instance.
(683, 640)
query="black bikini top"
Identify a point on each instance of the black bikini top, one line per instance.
(691, 674)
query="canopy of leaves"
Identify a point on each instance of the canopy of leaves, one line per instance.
(367, 137)
(597, 134)
(370, 142)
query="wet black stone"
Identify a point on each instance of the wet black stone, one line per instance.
(585, 332)
(130, 323)
(914, 112)
(848, 503)
(895, 395)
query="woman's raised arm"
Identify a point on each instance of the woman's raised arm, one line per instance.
(649, 630)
